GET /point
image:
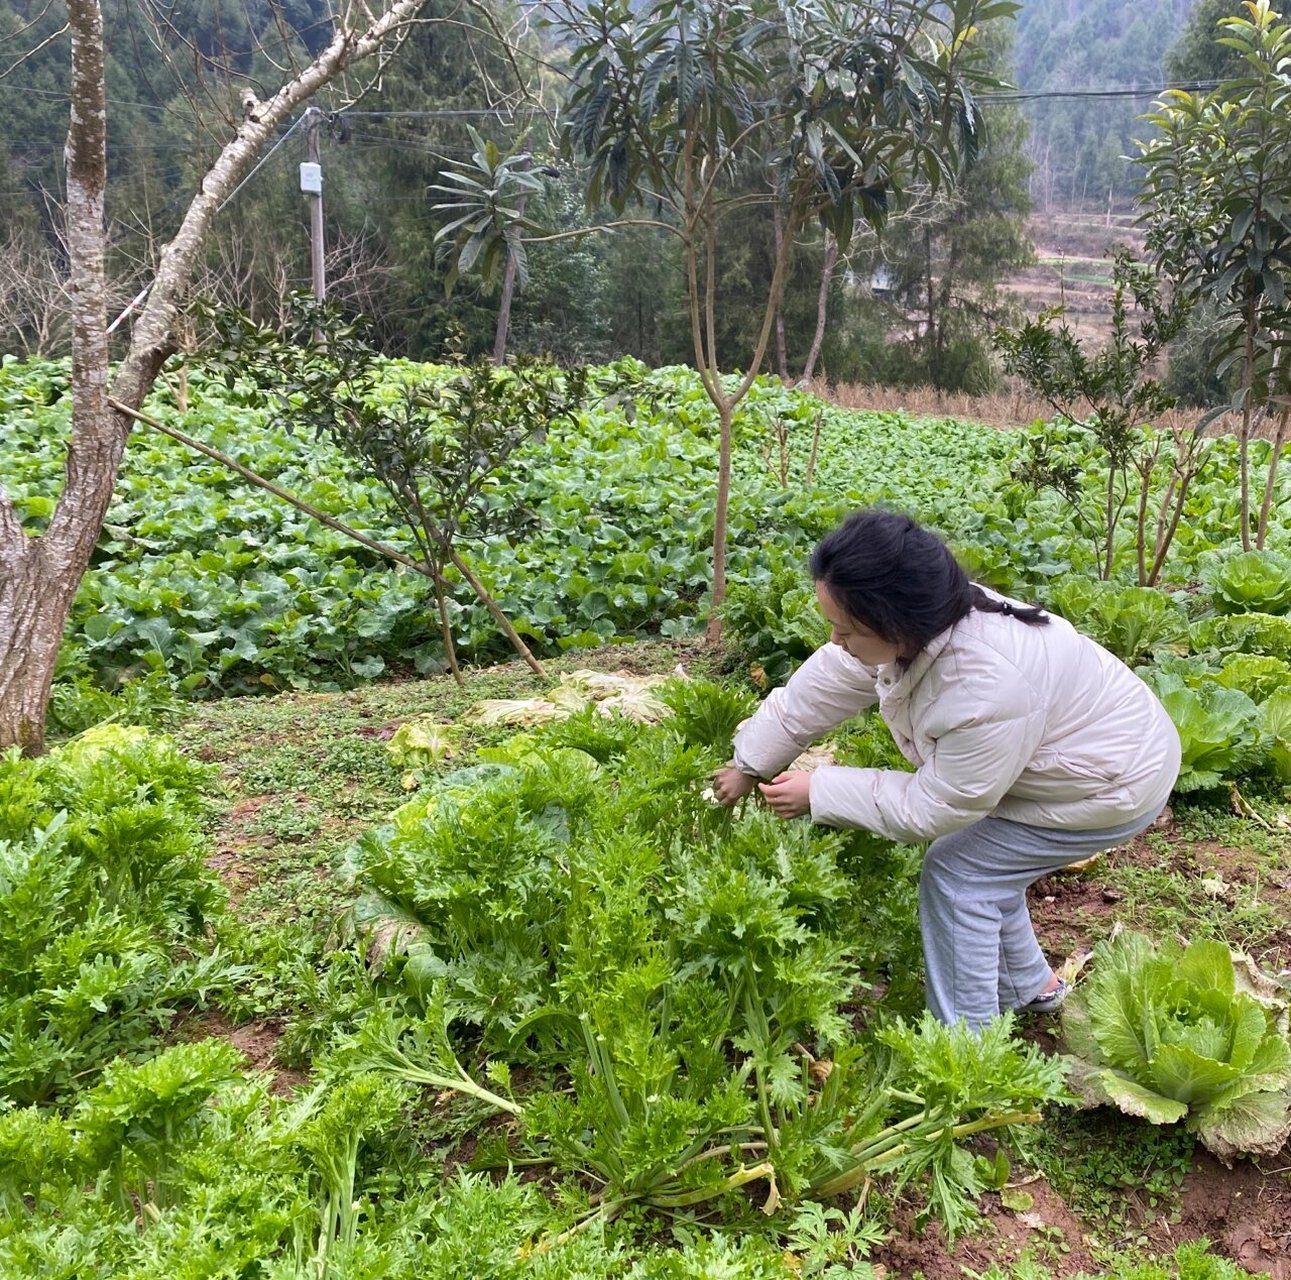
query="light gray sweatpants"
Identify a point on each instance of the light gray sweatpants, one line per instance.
(979, 950)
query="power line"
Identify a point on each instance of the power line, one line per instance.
(1045, 95)
(112, 146)
(57, 95)
(444, 113)
(264, 159)
(1006, 96)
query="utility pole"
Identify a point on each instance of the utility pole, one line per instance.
(311, 183)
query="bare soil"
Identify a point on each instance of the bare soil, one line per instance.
(257, 1041)
(1245, 1211)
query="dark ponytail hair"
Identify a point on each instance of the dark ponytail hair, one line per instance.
(901, 581)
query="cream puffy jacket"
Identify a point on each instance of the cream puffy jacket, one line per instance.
(1036, 724)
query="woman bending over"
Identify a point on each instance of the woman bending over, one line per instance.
(1033, 748)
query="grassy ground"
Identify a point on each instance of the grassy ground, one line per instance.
(301, 776)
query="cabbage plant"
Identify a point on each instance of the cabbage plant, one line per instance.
(1193, 1034)
(1253, 582)
(1219, 732)
(1277, 732)
(1127, 621)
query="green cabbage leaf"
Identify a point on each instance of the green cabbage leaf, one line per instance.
(1252, 582)
(1193, 1034)
(1219, 729)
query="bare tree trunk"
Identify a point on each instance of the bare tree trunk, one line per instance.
(713, 632)
(39, 576)
(1270, 484)
(810, 474)
(1164, 540)
(1109, 518)
(781, 350)
(31, 621)
(822, 307)
(1244, 438)
(42, 573)
(1147, 469)
(446, 631)
(504, 312)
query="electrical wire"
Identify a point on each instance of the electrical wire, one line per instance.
(264, 159)
(444, 113)
(1056, 95)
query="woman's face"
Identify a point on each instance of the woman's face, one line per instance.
(854, 636)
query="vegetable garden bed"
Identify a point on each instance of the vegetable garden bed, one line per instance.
(357, 983)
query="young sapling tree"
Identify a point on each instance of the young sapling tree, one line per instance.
(1217, 198)
(1112, 392)
(674, 104)
(438, 448)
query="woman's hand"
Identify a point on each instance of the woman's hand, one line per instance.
(788, 794)
(730, 785)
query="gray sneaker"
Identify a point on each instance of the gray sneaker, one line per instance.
(1050, 1002)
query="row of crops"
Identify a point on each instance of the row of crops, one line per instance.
(590, 1026)
(215, 586)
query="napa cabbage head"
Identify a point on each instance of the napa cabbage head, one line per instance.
(86, 748)
(1192, 1034)
(1219, 732)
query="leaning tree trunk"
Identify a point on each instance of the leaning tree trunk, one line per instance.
(713, 632)
(822, 307)
(39, 576)
(781, 346)
(33, 609)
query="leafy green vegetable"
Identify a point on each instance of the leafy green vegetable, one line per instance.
(1219, 730)
(1252, 582)
(105, 905)
(672, 962)
(1277, 731)
(706, 714)
(218, 587)
(1254, 674)
(773, 620)
(1175, 1033)
(1128, 621)
(1245, 633)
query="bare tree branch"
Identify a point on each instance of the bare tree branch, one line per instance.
(27, 26)
(39, 575)
(503, 42)
(31, 53)
(35, 306)
(152, 333)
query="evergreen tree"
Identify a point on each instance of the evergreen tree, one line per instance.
(1196, 55)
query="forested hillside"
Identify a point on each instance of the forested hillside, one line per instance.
(917, 306)
(1088, 48)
